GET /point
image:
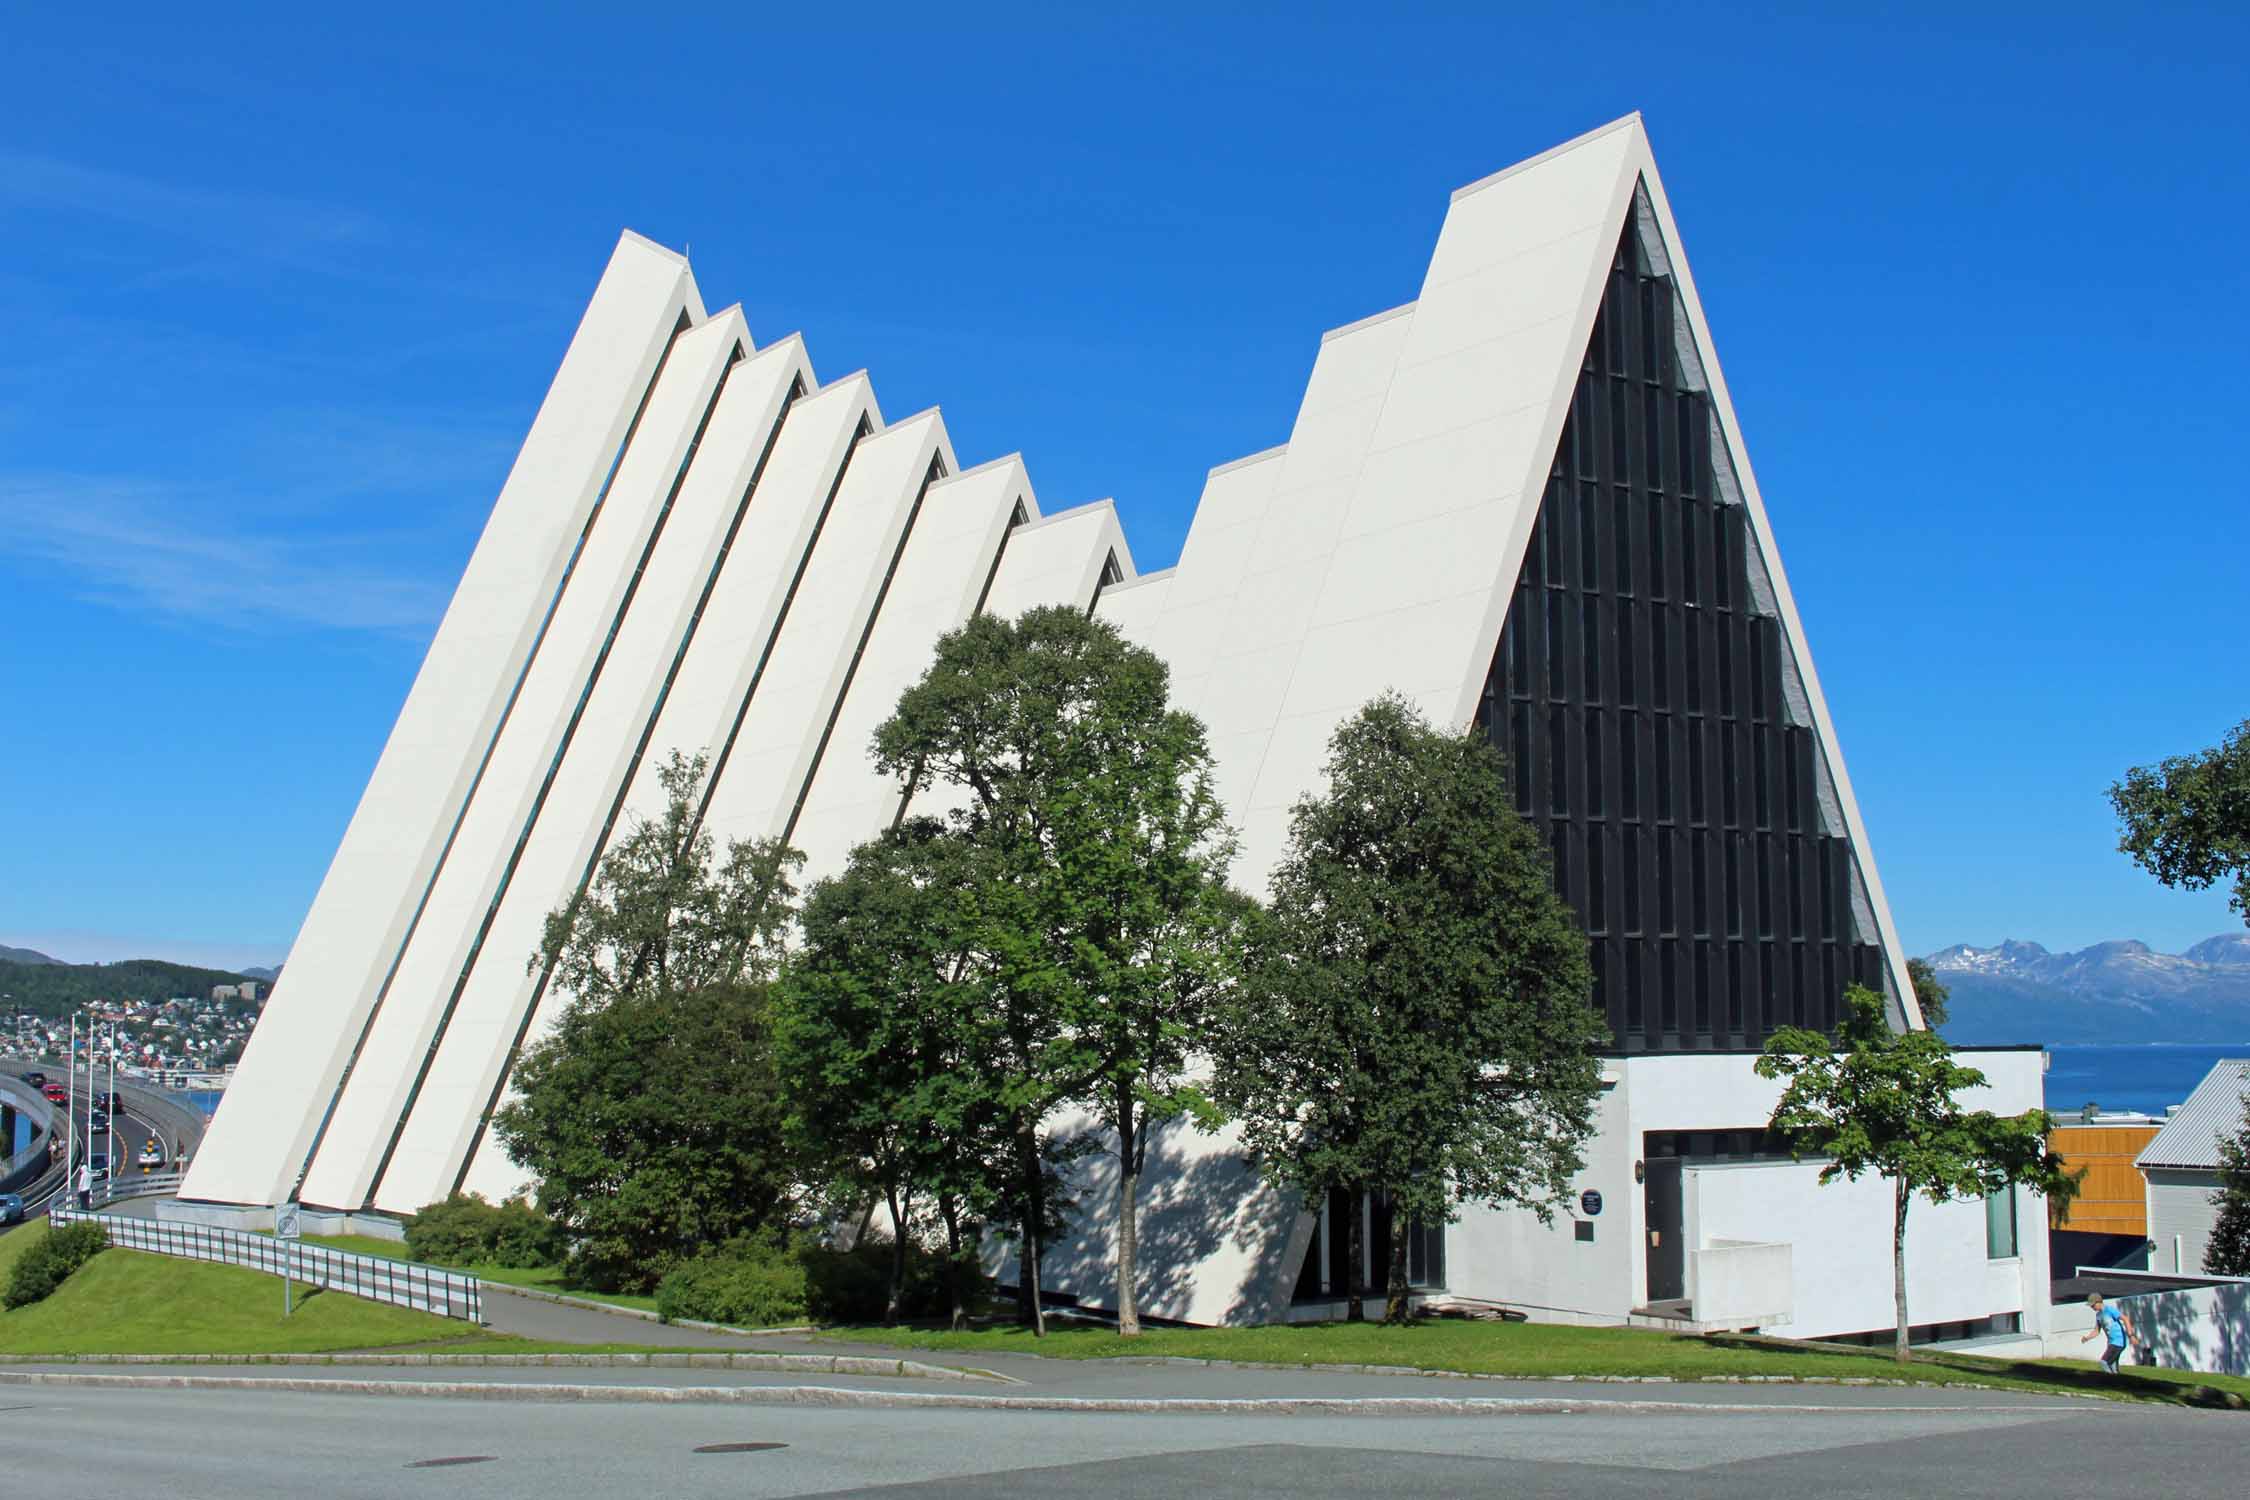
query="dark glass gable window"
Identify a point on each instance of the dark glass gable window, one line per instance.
(1694, 809)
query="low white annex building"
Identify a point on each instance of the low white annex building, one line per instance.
(1521, 499)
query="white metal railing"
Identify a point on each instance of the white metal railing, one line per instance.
(402, 1283)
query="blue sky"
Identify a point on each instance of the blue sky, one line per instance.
(277, 301)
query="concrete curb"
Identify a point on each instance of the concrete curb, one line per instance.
(797, 1364)
(1267, 1406)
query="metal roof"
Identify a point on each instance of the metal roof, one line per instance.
(2191, 1137)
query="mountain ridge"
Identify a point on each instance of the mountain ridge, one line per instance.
(2120, 990)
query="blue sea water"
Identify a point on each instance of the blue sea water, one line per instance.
(2144, 1077)
(206, 1100)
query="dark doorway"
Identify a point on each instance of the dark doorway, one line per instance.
(1667, 1240)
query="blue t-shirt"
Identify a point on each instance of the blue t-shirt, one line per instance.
(2112, 1323)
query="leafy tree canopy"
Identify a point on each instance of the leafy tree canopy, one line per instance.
(1929, 994)
(1873, 1100)
(2187, 818)
(1092, 854)
(1417, 1014)
(651, 1113)
(2228, 1251)
(881, 1042)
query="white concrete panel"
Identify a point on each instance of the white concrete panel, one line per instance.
(1530, 287)
(949, 554)
(1055, 559)
(816, 449)
(1551, 195)
(495, 1004)
(1452, 471)
(258, 1143)
(774, 750)
(1247, 591)
(484, 850)
(731, 641)
(1058, 559)
(1136, 609)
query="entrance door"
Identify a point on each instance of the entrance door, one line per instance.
(1667, 1249)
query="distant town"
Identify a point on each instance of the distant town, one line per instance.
(198, 1033)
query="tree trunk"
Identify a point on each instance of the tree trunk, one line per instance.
(1355, 1278)
(951, 1212)
(896, 1292)
(1128, 1222)
(1394, 1303)
(1028, 1307)
(1898, 1266)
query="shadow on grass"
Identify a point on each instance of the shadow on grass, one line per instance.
(2180, 1388)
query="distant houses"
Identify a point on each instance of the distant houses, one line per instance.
(2181, 1167)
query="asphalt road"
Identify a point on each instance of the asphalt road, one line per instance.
(248, 1443)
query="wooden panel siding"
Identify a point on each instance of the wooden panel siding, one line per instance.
(2114, 1197)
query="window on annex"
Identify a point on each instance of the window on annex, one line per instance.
(2000, 1225)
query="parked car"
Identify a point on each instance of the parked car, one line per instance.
(152, 1154)
(11, 1209)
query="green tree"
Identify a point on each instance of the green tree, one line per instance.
(1093, 853)
(1416, 1017)
(2187, 818)
(1929, 994)
(650, 1114)
(2228, 1251)
(879, 1035)
(1874, 1100)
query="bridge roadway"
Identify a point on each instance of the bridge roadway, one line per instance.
(148, 1112)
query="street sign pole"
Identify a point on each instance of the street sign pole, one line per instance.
(69, 1110)
(287, 1225)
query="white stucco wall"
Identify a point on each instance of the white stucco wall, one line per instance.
(2181, 1217)
(1840, 1235)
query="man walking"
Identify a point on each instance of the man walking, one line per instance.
(85, 1185)
(2113, 1326)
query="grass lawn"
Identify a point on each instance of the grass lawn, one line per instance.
(538, 1278)
(1548, 1349)
(125, 1302)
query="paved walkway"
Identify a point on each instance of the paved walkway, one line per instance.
(572, 1323)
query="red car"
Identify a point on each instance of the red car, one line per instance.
(57, 1094)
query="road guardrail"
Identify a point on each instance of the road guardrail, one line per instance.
(401, 1283)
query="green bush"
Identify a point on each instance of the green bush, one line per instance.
(748, 1283)
(48, 1264)
(851, 1286)
(465, 1230)
(759, 1282)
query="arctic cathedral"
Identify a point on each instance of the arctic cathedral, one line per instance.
(1522, 500)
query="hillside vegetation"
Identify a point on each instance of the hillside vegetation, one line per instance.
(52, 991)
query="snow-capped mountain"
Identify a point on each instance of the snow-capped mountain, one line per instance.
(2121, 991)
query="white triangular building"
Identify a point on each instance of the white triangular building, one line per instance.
(1522, 500)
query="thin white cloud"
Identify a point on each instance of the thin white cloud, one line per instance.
(257, 226)
(136, 546)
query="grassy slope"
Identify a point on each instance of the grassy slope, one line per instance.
(123, 1302)
(1547, 1349)
(539, 1278)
